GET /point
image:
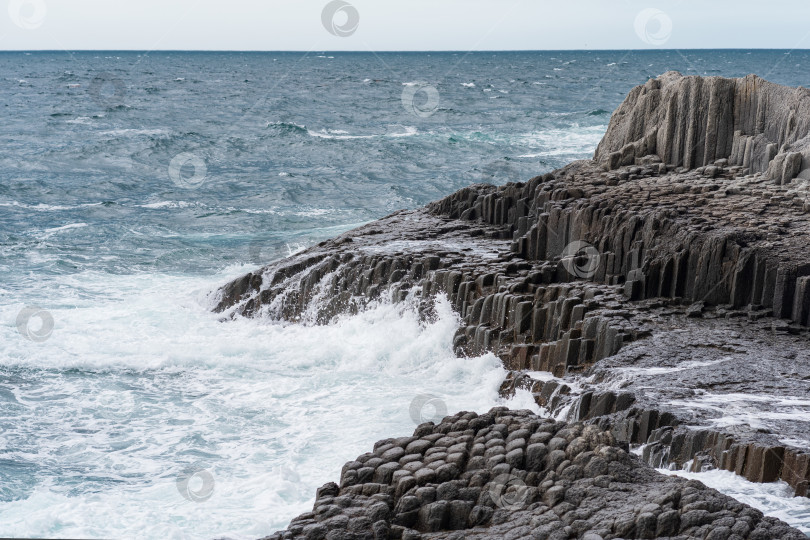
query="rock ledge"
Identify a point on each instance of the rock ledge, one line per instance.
(662, 288)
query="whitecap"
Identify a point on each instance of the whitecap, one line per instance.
(409, 132)
(42, 207)
(339, 134)
(80, 120)
(168, 204)
(47, 233)
(132, 131)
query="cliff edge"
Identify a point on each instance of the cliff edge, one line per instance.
(694, 121)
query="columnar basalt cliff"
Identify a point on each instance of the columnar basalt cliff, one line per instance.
(694, 121)
(667, 274)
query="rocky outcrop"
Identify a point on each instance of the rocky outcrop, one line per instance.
(694, 121)
(648, 288)
(512, 474)
(719, 391)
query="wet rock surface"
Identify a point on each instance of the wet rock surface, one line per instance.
(662, 295)
(513, 474)
(708, 393)
(711, 122)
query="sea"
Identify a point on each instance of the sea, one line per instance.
(133, 184)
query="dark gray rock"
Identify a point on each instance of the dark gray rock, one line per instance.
(632, 500)
(670, 271)
(696, 121)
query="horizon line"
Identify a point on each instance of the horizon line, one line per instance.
(400, 51)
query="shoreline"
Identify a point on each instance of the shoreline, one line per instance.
(646, 277)
(524, 476)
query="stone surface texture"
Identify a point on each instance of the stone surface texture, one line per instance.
(695, 121)
(512, 474)
(659, 292)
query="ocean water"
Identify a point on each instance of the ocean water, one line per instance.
(133, 184)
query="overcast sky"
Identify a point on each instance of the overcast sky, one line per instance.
(379, 25)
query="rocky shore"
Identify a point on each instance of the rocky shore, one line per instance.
(655, 295)
(512, 474)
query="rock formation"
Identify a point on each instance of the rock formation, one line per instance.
(512, 474)
(695, 121)
(666, 275)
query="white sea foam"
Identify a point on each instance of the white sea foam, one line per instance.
(139, 380)
(47, 233)
(665, 370)
(314, 212)
(408, 132)
(753, 410)
(41, 207)
(340, 134)
(169, 204)
(773, 499)
(80, 120)
(132, 131)
(544, 376)
(562, 142)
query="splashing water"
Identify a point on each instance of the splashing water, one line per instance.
(773, 499)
